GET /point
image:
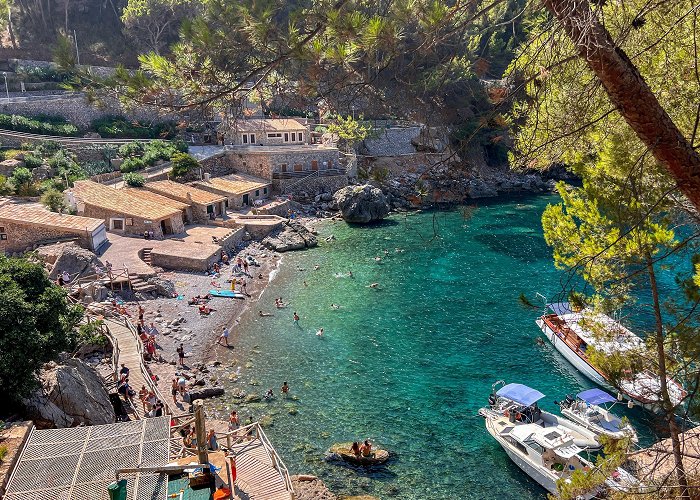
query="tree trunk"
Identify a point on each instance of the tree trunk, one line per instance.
(667, 404)
(10, 28)
(629, 92)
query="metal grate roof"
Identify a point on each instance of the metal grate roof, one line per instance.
(78, 463)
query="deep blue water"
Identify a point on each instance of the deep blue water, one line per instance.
(410, 363)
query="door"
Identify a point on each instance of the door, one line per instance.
(246, 199)
(99, 237)
(163, 227)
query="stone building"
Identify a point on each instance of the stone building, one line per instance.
(145, 194)
(22, 227)
(124, 210)
(204, 204)
(267, 132)
(239, 189)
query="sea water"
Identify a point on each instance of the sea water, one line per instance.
(407, 364)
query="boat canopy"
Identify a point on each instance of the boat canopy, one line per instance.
(595, 397)
(520, 394)
(560, 308)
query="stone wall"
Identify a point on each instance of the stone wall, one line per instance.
(22, 237)
(181, 256)
(391, 142)
(138, 226)
(311, 186)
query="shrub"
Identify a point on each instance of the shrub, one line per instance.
(134, 180)
(3, 452)
(183, 163)
(26, 146)
(48, 125)
(32, 161)
(5, 186)
(118, 126)
(21, 178)
(10, 154)
(131, 165)
(131, 149)
(158, 150)
(53, 200)
(180, 145)
(66, 167)
(97, 167)
(48, 148)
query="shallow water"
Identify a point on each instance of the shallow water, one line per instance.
(410, 363)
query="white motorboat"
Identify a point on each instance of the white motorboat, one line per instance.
(589, 409)
(548, 454)
(571, 335)
(518, 404)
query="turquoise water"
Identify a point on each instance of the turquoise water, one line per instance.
(410, 363)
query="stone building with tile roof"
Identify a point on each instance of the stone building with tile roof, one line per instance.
(204, 204)
(124, 210)
(267, 132)
(239, 189)
(22, 227)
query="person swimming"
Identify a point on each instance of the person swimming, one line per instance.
(263, 314)
(319, 333)
(373, 285)
(335, 306)
(269, 394)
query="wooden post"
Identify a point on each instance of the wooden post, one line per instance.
(200, 429)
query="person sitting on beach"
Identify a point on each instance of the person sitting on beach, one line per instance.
(263, 314)
(204, 310)
(355, 448)
(224, 258)
(216, 268)
(366, 448)
(260, 276)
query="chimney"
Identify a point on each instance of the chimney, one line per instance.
(207, 176)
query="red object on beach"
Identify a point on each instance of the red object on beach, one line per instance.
(232, 460)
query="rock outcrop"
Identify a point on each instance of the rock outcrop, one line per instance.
(204, 393)
(72, 393)
(292, 236)
(361, 204)
(69, 257)
(164, 288)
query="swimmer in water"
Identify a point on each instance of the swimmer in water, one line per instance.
(319, 333)
(350, 274)
(263, 315)
(373, 285)
(335, 306)
(386, 252)
(305, 283)
(377, 259)
(317, 267)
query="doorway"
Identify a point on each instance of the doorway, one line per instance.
(246, 199)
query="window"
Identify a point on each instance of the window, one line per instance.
(314, 164)
(274, 135)
(301, 137)
(257, 193)
(283, 167)
(294, 137)
(116, 224)
(264, 190)
(245, 138)
(2, 229)
(252, 138)
(286, 137)
(210, 209)
(3, 236)
(297, 167)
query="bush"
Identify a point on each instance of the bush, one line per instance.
(48, 148)
(66, 167)
(32, 161)
(134, 179)
(131, 149)
(48, 125)
(21, 178)
(132, 164)
(183, 163)
(97, 167)
(3, 452)
(10, 154)
(5, 186)
(53, 200)
(180, 145)
(158, 150)
(120, 127)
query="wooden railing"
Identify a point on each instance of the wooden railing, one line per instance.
(243, 434)
(115, 362)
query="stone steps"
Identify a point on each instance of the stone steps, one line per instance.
(147, 256)
(140, 285)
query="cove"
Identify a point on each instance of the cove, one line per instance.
(408, 364)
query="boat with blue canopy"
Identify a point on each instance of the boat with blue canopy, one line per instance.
(592, 409)
(518, 403)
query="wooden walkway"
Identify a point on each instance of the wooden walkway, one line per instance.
(130, 353)
(256, 476)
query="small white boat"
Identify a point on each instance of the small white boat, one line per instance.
(571, 335)
(589, 409)
(548, 454)
(518, 404)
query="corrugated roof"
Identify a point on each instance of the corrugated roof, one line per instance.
(234, 183)
(269, 125)
(121, 201)
(180, 192)
(41, 217)
(157, 198)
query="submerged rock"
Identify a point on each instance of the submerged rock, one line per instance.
(361, 204)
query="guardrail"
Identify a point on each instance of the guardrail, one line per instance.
(68, 141)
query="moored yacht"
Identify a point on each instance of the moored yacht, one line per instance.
(592, 409)
(518, 404)
(570, 335)
(547, 454)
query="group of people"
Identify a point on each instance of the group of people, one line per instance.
(178, 386)
(361, 450)
(148, 234)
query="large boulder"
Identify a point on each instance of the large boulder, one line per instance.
(69, 257)
(361, 204)
(165, 288)
(72, 393)
(291, 236)
(8, 166)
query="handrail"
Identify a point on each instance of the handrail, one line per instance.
(315, 172)
(276, 460)
(116, 351)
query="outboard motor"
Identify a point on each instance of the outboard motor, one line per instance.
(492, 400)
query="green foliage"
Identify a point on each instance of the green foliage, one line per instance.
(154, 23)
(182, 164)
(64, 53)
(22, 180)
(158, 150)
(97, 167)
(46, 149)
(131, 149)
(66, 166)
(3, 452)
(89, 334)
(6, 186)
(53, 200)
(120, 127)
(131, 165)
(37, 325)
(47, 125)
(134, 179)
(10, 154)
(349, 130)
(32, 161)
(380, 174)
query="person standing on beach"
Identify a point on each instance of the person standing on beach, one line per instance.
(174, 389)
(223, 336)
(296, 318)
(181, 354)
(245, 266)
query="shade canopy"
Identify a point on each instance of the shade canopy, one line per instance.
(595, 397)
(520, 394)
(560, 308)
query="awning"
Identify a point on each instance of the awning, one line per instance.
(595, 397)
(520, 394)
(560, 308)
